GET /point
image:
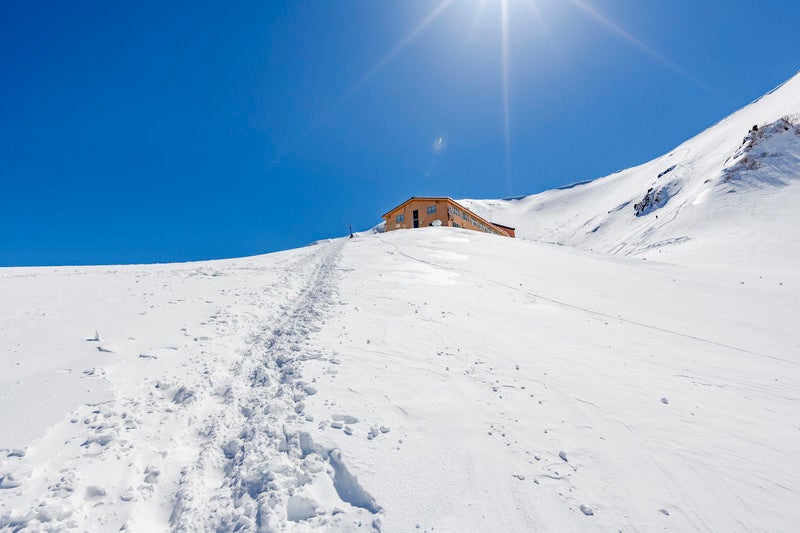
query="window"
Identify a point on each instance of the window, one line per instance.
(432, 210)
(400, 218)
(456, 225)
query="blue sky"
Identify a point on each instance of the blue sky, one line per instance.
(171, 131)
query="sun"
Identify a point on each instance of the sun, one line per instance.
(505, 6)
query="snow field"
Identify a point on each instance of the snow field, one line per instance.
(188, 358)
(437, 378)
(490, 358)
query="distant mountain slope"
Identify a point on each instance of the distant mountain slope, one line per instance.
(728, 193)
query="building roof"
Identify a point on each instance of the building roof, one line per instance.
(395, 208)
(502, 226)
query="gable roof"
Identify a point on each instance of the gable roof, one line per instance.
(446, 198)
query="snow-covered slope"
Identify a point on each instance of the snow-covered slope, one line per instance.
(436, 377)
(728, 191)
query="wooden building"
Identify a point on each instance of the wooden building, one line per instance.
(419, 212)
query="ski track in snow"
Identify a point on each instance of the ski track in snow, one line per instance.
(257, 438)
(243, 412)
(600, 313)
(620, 455)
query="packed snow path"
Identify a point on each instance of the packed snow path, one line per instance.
(437, 379)
(255, 439)
(211, 441)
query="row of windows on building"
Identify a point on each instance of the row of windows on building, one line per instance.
(454, 211)
(401, 218)
(463, 214)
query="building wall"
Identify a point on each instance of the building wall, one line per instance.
(449, 212)
(425, 218)
(510, 231)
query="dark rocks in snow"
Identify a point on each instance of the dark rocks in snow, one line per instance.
(656, 198)
(649, 200)
(756, 149)
(667, 171)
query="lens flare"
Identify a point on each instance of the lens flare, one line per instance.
(439, 144)
(432, 16)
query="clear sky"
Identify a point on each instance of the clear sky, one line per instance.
(170, 131)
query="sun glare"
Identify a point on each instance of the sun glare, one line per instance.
(506, 7)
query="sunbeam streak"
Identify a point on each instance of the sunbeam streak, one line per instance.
(405, 42)
(623, 34)
(366, 77)
(506, 96)
(478, 15)
(545, 31)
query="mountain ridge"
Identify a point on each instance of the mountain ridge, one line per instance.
(602, 214)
